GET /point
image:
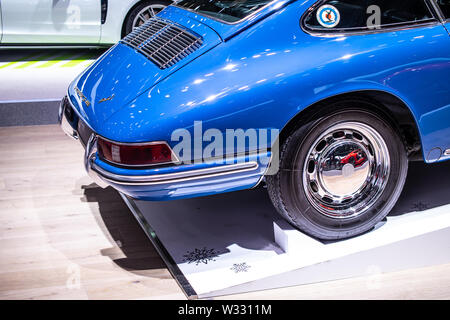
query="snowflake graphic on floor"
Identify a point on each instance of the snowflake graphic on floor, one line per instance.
(420, 206)
(240, 267)
(200, 256)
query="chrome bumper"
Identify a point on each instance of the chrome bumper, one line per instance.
(90, 156)
(172, 178)
(100, 175)
(91, 147)
(64, 122)
(104, 178)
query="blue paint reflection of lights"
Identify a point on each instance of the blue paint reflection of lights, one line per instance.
(278, 5)
(211, 98)
(346, 57)
(199, 81)
(229, 67)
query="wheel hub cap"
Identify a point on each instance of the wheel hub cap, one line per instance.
(346, 170)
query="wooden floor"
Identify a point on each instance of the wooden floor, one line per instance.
(62, 237)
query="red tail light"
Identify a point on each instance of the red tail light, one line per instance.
(135, 154)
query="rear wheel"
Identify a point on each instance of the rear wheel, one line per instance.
(142, 13)
(340, 174)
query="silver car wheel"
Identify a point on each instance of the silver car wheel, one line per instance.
(346, 170)
(146, 13)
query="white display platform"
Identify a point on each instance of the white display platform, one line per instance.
(235, 243)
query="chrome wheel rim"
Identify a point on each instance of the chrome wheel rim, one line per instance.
(146, 13)
(346, 170)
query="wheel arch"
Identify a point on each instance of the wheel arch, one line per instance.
(391, 107)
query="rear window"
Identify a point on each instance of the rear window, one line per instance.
(445, 7)
(348, 15)
(227, 11)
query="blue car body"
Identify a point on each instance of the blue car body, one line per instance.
(262, 72)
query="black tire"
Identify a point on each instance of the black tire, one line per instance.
(289, 196)
(128, 25)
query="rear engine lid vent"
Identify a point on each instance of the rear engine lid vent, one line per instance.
(163, 42)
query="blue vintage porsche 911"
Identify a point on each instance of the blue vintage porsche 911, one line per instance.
(326, 101)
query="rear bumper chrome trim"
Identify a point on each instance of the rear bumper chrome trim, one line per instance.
(64, 122)
(89, 158)
(174, 177)
(101, 176)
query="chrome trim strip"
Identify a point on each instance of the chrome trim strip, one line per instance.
(436, 10)
(173, 177)
(348, 33)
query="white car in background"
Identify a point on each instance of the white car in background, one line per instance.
(72, 22)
